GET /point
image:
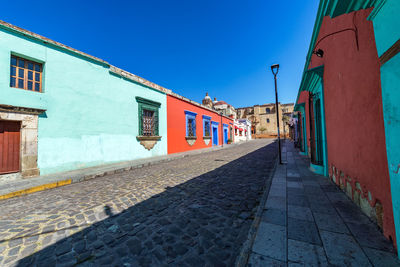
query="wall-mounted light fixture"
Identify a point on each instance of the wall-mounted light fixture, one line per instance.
(319, 53)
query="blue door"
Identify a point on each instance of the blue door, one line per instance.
(215, 136)
(225, 136)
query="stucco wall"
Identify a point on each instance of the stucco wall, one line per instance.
(92, 115)
(354, 118)
(177, 125)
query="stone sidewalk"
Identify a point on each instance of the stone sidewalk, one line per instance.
(308, 221)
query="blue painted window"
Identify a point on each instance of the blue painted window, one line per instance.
(267, 120)
(190, 123)
(268, 110)
(206, 125)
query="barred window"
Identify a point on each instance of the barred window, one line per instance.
(25, 74)
(148, 117)
(207, 128)
(191, 127)
(148, 122)
(190, 123)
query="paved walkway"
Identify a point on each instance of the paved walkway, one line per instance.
(308, 221)
(193, 211)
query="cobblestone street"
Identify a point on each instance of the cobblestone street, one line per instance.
(194, 211)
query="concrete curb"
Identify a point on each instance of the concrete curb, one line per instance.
(77, 176)
(245, 251)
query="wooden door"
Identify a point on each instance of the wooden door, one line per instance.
(9, 146)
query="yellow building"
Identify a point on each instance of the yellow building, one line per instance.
(263, 119)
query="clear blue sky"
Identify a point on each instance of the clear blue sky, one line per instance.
(189, 46)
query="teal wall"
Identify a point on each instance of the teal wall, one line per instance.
(387, 32)
(390, 79)
(323, 170)
(304, 129)
(387, 25)
(92, 114)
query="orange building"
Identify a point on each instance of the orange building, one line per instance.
(193, 126)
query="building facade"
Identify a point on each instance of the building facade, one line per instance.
(61, 109)
(263, 119)
(193, 126)
(242, 130)
(346, 121)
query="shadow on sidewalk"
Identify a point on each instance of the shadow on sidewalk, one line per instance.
(202, 221)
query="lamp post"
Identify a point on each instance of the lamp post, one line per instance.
(222, 131)
(275, 69)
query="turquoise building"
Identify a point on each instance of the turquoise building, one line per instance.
(385, 18)
(62, 109)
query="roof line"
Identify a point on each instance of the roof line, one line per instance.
(113, 69)
(195, 103)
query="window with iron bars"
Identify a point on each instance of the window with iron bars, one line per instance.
(190, 123)
(148, 122)
(207, 128)
(148, 117)
(191, 127)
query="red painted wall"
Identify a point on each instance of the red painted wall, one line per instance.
(176, 125)
(353, 108)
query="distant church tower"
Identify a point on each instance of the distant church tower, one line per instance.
(207, 101)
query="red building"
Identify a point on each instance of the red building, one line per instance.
(340, 110)
(192, 126)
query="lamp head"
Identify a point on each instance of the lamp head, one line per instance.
(275, 69)
(319, 53)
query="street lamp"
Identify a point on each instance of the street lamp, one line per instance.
(275, 69)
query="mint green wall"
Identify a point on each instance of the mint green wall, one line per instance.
(92, 115)
(387, 25)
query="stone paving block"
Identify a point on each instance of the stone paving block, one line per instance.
(297, 200)
(294, 179)
(274, 216)
(276, 203)
(302, 230)
(330, 222)
(305, 253)
(277, 192)
(350, 213)
(295, 185)
(338, 196)
(271, 241)
(368, 235)
(312, 190)
(381, 258)
(325, 208)
(330, 188)
(291, 173)
(295, 191)
(343, 250)
(299, 212)
(307, 183)
(256, 260)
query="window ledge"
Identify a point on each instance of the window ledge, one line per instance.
(207, 140)
(191, 140)
(148, 141)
